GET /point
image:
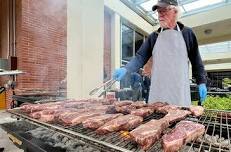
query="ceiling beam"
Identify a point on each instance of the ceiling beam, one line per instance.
(217, 61)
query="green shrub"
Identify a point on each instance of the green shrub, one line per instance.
(219, 103)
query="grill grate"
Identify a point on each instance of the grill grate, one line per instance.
(218, 126)
(217, 123)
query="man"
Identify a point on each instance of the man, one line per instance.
(146, 87)
(136, 85)
(170, 47)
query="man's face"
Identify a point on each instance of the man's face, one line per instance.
(167, 16)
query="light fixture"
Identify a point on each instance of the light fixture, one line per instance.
(208, 31)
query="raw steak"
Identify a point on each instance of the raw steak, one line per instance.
(147, 134)
(142, 112)
(126, 122)
(196, 110)
(184, 132)
(98, 121)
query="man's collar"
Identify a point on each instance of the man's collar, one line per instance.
(181, 26)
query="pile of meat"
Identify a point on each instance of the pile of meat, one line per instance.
(147, 134)
(105, 116)
(69, 112)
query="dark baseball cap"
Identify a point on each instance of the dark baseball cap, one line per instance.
(164, 3)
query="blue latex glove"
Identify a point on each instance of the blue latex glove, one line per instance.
(119, 74)
(202, 92)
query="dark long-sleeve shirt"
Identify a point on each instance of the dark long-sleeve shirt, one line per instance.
(145, 52)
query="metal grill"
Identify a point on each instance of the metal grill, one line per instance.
(218, 127)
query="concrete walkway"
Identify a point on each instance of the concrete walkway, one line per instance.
(4, 140)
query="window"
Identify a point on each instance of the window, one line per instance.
(139, 39)
(131, 42)
(221, 47)
(127, 44)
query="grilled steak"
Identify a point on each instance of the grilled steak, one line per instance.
(55, 112)
(196, 110)
(124, 109)
(35, 107)
(107, 101)
(126, 122)
(123, 103)
(165, 109)
(176, 115)
(156, 105)
(38, 114)
(47, 118)
(53, 115)
(76, 118)
(173, 141)
(98, 121)
(138, 104)
(142, 112)
(147, 134)
(184, 132)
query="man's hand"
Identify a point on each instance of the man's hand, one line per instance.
(202, 92)
(119, 74)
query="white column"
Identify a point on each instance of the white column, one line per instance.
(85, 28)
(115, 43)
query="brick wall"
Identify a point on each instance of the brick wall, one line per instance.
(107, 45)
(41, 44)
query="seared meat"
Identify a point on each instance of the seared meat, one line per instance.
(75, 118)
(196, 110)
(156, 105)
(142, 112)
(98, 121)
(147, 134)
(38, 107)
(139, 104)
(176, 115)
(124, 109)
(126, 122)
(165, 109)
(184, 132)
(123, 103)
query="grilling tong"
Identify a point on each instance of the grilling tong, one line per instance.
(105, 86)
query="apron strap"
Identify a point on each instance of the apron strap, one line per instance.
(178, 28)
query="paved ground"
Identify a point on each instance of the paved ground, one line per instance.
(4, 140)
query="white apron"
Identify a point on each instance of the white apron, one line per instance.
(170, 69)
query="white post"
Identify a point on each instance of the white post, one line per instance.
(85, 30)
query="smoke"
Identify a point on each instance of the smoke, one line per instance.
(57, 140)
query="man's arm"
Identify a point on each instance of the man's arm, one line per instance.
(143, 54)
(198, 70)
